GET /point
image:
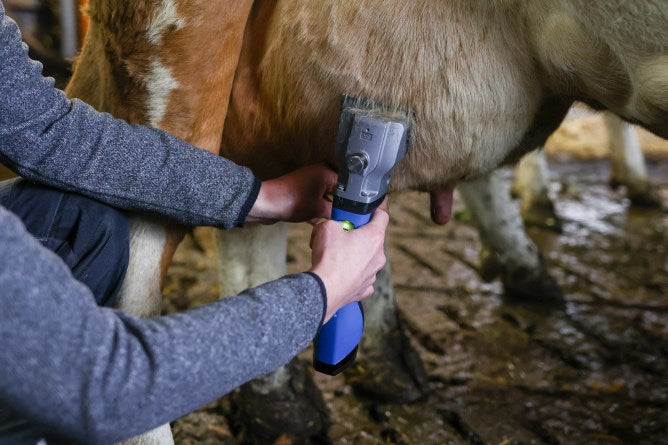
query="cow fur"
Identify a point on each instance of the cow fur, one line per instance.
(486, 81)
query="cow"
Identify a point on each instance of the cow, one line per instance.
(260, 84)
(628, 169)
(509, 252)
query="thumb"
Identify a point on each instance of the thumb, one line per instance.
(329, 177)
(380, 219)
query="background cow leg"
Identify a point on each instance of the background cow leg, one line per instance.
(532, 186)
(141, 295)
(285, 401)
(628, 162)
(387, 367)
(501, 230)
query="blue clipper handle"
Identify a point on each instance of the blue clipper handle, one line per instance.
(336, 344)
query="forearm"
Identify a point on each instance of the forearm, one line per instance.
(66, 144)
(111, 375)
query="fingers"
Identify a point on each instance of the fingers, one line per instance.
(325, 176)
(325, 208)
(330, 178)
(325, 225)
(368, 292)
(315, 221)
(317, 227)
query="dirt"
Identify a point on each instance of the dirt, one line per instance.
(501, 372)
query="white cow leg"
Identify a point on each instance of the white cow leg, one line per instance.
(387, 367)
(628, 162)
(285, 401)
(532, 186)
(251, 256)
(502, 232)
(141, 296)
(161, 435)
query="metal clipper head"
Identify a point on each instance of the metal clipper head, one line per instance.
(371, 140)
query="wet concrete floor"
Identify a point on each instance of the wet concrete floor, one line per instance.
(502, 372)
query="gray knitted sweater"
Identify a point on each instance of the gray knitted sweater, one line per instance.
(98, 375)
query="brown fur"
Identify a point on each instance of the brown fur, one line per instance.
(299, 56)
(481, 77)
(112, 69)
(487, 81)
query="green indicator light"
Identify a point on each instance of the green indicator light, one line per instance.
(347, 226)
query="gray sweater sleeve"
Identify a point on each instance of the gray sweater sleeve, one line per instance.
(67, 144)
(99, 375)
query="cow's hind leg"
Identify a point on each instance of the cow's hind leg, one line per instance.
(532, 186)
(387, 368)
(285, 401)
(501, 230)
(628, 162)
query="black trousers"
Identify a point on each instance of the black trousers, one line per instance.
(91, 238)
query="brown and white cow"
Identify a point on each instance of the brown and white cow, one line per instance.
(260, 83)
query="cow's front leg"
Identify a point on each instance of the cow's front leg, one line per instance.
(285, 401)
(628, 162)
(532, 186)
(501, 230)
(152, 245)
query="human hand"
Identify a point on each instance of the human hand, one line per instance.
(347, 262)
(295, 197)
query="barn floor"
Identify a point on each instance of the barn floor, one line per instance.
(594, 371)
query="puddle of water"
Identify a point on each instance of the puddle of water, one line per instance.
(592, 213)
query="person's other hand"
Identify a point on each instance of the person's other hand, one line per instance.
(347, 262)
(295, 197)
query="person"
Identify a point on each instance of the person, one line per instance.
(72, 368)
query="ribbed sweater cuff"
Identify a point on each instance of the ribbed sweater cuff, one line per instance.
(323, 294)
(248, 205)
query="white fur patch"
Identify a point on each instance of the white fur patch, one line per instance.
(141, 294)
(166, 16)
(162, 435)
(159, 84)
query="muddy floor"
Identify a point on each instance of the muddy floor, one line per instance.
(592, 372)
